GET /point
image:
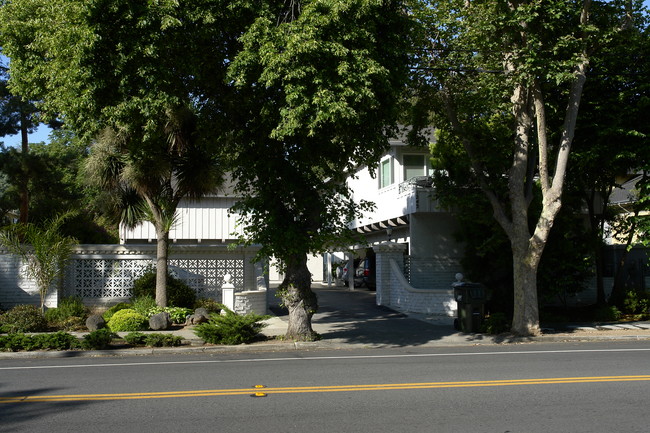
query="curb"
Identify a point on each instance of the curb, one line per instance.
(455, 341)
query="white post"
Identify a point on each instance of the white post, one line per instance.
(329, 269)
(228, 293)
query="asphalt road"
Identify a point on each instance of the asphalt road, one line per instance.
(571, 387)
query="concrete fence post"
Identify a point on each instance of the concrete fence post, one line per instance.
(384, 252)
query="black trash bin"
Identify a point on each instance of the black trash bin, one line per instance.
(471, 299)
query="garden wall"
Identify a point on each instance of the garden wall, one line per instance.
(104, 274)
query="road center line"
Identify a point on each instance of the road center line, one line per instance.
(319, 389)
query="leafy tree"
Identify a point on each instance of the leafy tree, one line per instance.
(319, 84)
(43, 249)
(17, 116)
(612, 135)
(124, 74)
(495, 74)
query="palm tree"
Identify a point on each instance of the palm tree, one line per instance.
(43, 249)
(148, 176)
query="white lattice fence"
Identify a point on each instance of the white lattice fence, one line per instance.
(105, 274)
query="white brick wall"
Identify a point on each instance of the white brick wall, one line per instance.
(252, 301)
(434, 296)
(15, 289)
(104, 274)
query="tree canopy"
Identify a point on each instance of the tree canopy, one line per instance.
(320, 87)
(505, 81)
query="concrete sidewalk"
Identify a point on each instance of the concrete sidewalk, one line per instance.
(351, 319)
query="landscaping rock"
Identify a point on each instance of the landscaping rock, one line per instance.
(195, 319)
(160, 321)
(202, 312)
(95, 322)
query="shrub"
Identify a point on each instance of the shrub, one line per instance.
(496, 323)
(153, 340)
(608, 314)
(71, 306)
(97, 340)
(69, 315)
(127, 320)
(636, 303)
(144, 304)
(231, 328)
(23, 318)
(135, 338)
(55, 341)
(209, 304)
(177, 314)
(114, 309)
(162, 340)
(14, 342)
(179, 294)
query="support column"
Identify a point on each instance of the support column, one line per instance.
(383, 253)
(228, 293)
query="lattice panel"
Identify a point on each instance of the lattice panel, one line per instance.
(206, 275)
(113, 278)
(105, 278)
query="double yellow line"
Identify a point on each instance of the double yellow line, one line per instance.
(262, 391)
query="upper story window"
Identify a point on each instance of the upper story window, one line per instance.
(414, 165)
(385, 172)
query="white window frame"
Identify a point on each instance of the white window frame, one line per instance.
(383, 182)
(424, 167)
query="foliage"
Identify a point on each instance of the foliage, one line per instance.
(608, 313)
(179, 294)
(143, 304)
(496, 323)
(230, 328)
(135, 338)
(124, 75)
(637, 304)
(176, 314)
(127, 320)
(53, 341)
(23, 318)
(162, 340)
(97, 340)
(68, 307)
(43, 249)
(503, 85)
(319, 88)
(153, 339)
(114, 309)
(209, 304)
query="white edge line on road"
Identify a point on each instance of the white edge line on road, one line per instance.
(324, 358)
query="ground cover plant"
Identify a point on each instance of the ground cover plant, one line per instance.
(152, 340)
(231, 328)
(51, 341)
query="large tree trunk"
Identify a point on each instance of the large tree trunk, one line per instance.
(525, 319)
(24, 182)
(299, 299)
(162, 246)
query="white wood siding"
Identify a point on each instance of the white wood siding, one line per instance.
(207, 219)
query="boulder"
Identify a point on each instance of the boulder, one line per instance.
(195, 319)
(95, 322)
(160, 321)
(202, 312)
